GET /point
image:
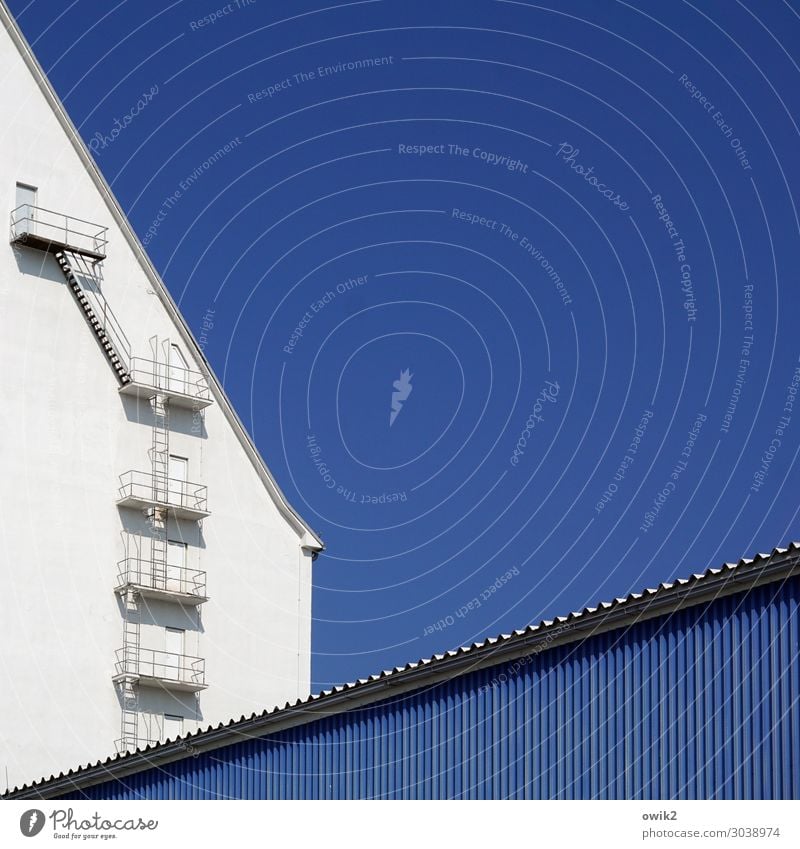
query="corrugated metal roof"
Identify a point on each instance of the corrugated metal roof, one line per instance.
(619, 613)
(702, 703)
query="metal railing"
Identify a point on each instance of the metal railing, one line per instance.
(163, 665)
(172, 579)
(58, 228)
(108, 321)
(163, 490)
(147, 564)
(169, 378)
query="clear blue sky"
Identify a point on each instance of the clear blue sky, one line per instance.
(596, 197)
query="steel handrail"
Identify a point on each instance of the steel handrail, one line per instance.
(139, 571)
(110, 323)
(100, 234)
(192, 495)
(140, 661)
(161, 376)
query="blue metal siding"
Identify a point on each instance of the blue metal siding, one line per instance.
(704, 703)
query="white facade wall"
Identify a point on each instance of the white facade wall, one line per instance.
(67, 435)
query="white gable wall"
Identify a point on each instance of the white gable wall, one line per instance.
(67, 436)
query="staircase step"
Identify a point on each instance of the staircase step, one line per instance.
(91, 316)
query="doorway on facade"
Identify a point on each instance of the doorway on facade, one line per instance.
(174, 644)
(25, 205)
(178, 475)
(176, 566)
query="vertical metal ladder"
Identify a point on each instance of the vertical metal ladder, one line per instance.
(159, 458)
(128, 683)
(157, 521)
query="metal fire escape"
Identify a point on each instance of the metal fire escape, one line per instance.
(156, 516)
(78, 246)
(160, 498)
(98, 314)
(128, 689)
(159, 459)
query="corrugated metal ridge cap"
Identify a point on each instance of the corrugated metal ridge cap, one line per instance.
(751, 566)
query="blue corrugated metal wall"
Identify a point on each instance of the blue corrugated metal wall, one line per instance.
(702, 704)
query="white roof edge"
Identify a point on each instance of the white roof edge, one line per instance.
(309, 539)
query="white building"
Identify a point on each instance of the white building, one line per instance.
(154, 577)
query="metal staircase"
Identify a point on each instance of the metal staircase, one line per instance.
(99, 317)
(78, 246)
